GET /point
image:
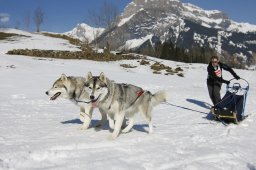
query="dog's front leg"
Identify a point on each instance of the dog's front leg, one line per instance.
(82, 114)
(111, 121)
(118, 123)
(87, 117)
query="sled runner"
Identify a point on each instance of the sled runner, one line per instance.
(231, 107)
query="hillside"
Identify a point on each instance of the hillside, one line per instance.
(52, 45)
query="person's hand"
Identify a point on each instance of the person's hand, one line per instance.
(227, 82)
(237, 77)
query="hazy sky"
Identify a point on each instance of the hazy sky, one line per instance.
(63, 15)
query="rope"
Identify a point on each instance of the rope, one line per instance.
(167, 103)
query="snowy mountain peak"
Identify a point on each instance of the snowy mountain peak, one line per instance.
(184, 24)
(176, 9)
(84, 32)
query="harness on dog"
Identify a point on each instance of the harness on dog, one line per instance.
(139, 93)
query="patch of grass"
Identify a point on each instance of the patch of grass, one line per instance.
(158, 66)
(178, 69)
(86, 54)
(4, 36)
(180, 75)
(156, 72)
(71, 40)
(127, 66)
(144, 62)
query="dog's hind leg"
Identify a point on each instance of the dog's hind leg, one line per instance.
(118, 123)
(129, 126)
(146, 111)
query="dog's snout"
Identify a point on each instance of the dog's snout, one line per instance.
(47, 93)
(91, 97)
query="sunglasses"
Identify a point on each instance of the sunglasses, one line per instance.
(214, 61)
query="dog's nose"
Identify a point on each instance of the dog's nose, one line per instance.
(47, 93)
(91, 97)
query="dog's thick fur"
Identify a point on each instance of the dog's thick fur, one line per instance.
(121, 100)
(72, 88)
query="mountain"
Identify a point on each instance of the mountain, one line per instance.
(84, 32)
(145, 23)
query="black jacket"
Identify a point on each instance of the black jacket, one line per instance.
(213, 79)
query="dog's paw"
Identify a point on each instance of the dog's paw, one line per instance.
(111, 137)
(126, 130)
(150, 131)
(82, 127)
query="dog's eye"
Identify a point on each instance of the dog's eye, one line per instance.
(90, 87)
(98, 88)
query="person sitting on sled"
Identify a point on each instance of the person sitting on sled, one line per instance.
(215, 80)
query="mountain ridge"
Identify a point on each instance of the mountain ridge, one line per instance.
(171, 20)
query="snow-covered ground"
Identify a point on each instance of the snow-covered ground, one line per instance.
(29, 40)
(36, 133)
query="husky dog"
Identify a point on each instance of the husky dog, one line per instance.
(72, 88)
(120, 101)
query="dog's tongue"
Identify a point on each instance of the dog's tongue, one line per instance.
(55, 96)
(94, 104)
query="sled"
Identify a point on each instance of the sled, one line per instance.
(232, 106)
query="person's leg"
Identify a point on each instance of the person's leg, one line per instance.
(210, 90)
(216, 93)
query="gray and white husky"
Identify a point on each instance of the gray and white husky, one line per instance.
(72, 88)
(121, 100)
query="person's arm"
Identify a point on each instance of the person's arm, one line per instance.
(213, 75)
(227, 68)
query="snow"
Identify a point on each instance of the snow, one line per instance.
(193, 8)
(133, 43)
(251, 42)
(84, 32)
(33, 41)
(205, 16)
(36, 133)
(241, 27)
(241, 55)
(124, 20)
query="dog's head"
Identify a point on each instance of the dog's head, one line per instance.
(60, 88)
(96, 87)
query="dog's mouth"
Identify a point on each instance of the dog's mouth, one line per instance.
(94, 102)
(55, 96)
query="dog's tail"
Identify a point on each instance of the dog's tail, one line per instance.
(158, 97)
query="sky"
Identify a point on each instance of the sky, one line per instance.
(63, 15)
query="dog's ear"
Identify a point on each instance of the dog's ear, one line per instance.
(63, 77)
(103, 77)
(89, 75)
